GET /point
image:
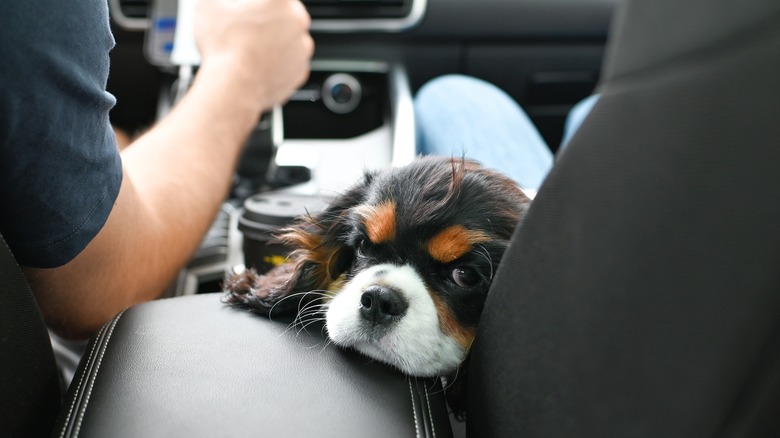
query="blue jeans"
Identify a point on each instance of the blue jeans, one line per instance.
(464, 116)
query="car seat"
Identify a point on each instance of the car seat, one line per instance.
(640, 296)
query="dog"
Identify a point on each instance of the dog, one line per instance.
(400, 264)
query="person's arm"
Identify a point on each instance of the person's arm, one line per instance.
(123, 139)
(255, 53)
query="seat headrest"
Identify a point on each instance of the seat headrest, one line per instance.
(648, 33)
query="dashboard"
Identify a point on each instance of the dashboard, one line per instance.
(547, 54)
(371, 57)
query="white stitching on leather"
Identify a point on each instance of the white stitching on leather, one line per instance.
(414, 410)
(78, 388)
(97, 369)
(430, 414)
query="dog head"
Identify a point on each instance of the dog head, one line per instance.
(402, 262)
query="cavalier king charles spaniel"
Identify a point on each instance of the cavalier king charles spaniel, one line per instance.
(400, 265)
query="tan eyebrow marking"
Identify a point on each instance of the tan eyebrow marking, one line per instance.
(450, 326)
(454, 241)
(379, 221)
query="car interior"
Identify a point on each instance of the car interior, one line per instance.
(640, 296)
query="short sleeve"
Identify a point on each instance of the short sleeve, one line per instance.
(60, 169)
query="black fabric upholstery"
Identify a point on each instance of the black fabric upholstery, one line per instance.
(29, 381)
(641, 295)
(191, 366)
(650, 35)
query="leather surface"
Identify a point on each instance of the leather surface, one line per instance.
(191, 366)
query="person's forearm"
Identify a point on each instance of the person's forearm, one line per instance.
(187, 159)
(175, 178)
(177, 174)
(181, 171)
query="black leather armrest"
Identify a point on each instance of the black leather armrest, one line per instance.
(191, 366)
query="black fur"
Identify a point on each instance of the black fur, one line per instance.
(429, 195)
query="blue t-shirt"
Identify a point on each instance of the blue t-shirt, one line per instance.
(60, 169)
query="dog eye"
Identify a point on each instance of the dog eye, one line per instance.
(465, 277)
(361, 247)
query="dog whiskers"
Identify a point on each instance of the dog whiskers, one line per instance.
(482, 251)
(295, 295)
(304, 326)
(300, 327)
(308, 313)
(448, 381)
(327, 342)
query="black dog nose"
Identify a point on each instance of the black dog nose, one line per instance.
(380, 304)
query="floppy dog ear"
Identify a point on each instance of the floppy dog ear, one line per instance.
(320, 255)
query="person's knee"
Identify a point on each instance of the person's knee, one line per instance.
(457, 86)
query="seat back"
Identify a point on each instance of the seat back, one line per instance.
(641, 294)
(30, 391)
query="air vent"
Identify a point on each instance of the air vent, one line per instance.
(343, 16)
(361, 9)
(135, 8)
(327, 15)
(131, 14)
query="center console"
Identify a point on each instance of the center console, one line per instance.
(351, 116)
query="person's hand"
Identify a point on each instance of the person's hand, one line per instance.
(263, 44)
